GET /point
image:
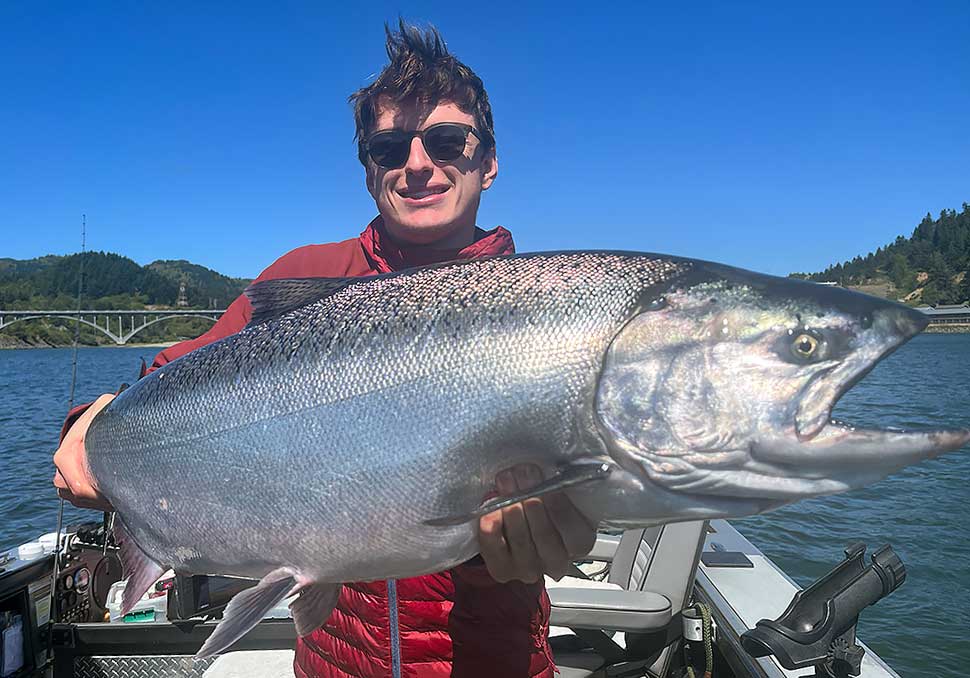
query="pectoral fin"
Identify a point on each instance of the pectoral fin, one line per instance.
(138, 568)
(574, 474)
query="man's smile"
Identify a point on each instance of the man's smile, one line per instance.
(423, 196)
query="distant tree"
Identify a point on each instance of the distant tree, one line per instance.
(941, 277)
(963, 291)
(899, 271)
(931, 295)
(925, 229)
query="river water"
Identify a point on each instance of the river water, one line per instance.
(921, 630)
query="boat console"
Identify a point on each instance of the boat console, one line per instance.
(27, 607)
(89, 566)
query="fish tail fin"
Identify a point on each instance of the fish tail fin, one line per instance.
(246, 609)
(140, 570)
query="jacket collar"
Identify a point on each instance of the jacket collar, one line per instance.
(386, 256)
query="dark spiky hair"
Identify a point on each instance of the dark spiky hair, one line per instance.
(421, 71)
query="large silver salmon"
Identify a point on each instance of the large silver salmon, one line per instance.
(352, 430)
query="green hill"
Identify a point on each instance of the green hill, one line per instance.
(204, 287)
(110, 281)
(932, 266)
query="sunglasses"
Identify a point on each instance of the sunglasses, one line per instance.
(443, 142)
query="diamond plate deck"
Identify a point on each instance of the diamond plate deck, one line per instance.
(180, 666)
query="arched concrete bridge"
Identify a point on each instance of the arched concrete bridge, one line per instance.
(127, 323)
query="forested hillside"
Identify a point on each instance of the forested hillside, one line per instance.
(932, 266)
(110, 281)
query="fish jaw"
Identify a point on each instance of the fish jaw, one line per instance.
(858, 456)
(629, 500)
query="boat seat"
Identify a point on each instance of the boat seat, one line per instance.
(628, 624)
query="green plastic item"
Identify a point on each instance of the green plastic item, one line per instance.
(139, 616)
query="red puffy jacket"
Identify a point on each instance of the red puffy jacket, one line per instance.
(458, 623)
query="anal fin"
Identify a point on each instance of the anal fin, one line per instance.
(574, 474)
(137, 567)
(313, 606)
(246, 609)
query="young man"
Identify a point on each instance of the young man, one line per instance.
(426, 141)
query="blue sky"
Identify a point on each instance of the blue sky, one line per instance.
(771, 137)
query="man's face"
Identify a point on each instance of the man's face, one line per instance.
(427, 202)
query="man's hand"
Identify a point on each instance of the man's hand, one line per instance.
(538, 536)
(72, 478)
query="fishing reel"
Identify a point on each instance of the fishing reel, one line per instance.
(818, 628)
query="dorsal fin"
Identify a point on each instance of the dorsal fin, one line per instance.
(272, 298)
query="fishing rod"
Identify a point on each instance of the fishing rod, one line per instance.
(77, 324)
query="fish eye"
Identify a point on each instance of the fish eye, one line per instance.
(804, 346)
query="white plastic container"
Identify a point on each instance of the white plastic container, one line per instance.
(145, 610)
(30, 550)
(49, 542)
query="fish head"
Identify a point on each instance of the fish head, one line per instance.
(716, 399)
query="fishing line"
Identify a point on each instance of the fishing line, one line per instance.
(59, 547)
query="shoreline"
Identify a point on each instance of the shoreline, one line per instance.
(947, 329)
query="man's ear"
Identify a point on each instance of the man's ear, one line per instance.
(489, 168)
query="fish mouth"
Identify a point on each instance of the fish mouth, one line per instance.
(815, 407)
(891, 328)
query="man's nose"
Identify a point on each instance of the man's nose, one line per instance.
(418, 159)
